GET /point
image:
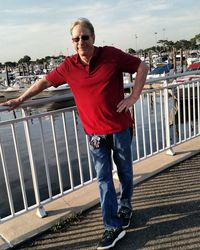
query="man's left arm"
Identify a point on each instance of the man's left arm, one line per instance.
(140, 80)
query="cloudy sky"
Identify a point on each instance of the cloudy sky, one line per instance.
(41, 27)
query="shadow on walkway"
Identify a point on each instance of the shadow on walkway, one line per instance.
(166, 216)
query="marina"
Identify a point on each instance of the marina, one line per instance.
(12, 83)
(45, 155)
(48, 171)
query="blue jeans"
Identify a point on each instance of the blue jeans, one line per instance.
(120, 144)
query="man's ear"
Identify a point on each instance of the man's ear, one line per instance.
(93, 39)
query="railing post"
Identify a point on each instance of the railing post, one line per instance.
(40, 210)
(198, 106)
(7, 181)
(169, 151)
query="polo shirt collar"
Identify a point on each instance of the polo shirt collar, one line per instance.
(95, 54)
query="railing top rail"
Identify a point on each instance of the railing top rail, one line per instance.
(40, 101)
(40, 115)
(195, 72)
(165, 78)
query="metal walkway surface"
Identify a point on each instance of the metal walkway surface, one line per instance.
(166, 215)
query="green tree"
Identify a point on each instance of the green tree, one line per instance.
(197, 37)
(10, 64)
(40, 61)
(26, 59)
(47, 58)
(195, 42)
(167, 45)
(131, 51)
(182, 44)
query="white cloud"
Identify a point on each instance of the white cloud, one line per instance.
(42, 27)
(26, 11)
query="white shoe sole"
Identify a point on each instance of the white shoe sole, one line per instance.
(124, 227)
(119, 237)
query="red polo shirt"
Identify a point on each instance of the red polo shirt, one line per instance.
(98, 88)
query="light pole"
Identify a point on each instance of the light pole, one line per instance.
(136, 37)
(155, 33)
(163, 33)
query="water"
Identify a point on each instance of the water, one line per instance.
(7, 141)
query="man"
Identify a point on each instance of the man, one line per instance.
(95, 76)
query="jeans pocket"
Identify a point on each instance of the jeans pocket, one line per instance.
(97, 141)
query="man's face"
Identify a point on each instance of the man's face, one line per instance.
(82, 40)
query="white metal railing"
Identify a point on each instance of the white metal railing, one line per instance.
(45, 154)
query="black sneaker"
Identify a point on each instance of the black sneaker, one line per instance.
(110, 237)
(125, 214)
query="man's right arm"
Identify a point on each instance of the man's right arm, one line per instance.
(34, 89)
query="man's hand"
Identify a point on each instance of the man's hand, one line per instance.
(33, 90)
(140, 79)
(126, 103)
(12, 104)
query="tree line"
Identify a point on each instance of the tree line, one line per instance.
(167, 46)
(163, 46)
(26, 60)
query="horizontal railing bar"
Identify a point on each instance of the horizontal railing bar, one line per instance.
(35, 116)
(153, 80)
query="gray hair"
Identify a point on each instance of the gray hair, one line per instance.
(84, 22)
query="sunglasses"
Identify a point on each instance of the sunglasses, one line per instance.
(84, 38)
